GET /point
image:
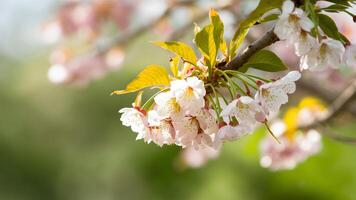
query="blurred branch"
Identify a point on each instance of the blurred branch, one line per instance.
(336, 107)
(123, 38)
(317, 89)
(197, 18)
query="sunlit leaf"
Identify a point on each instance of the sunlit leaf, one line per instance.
(206, 43)
(151, 76)
(179, 48)
(174, 64)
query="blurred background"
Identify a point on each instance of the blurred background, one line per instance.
(66, 142)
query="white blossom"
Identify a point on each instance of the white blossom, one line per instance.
(292, 22)
(245, 109)
(189, 94)
(207, 121)
(328, 53)
(186, 131)
(132, 117)
(272, 95)
(161, 130)
(304, 43)
(167, 106)
(232, 133)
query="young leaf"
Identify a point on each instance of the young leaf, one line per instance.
(218, 30)
(174, 64)
(210, 38)
(328, 26)
(206, 43)
(265, 60)
(263, 7)
(151, 76)
(179, 48)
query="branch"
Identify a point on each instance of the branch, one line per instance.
(269, 38)
(123, 38)
(340, 103)
(197, 18)
(318, 89)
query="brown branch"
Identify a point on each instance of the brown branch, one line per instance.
(269, 38)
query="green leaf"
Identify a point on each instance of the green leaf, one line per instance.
(328, 26)
(344, 39)
(340, 2)
(174, 64)
(179, 48)
(218, 30)
(335, 8)
(151, 76)
(265, 60)
(263, 7)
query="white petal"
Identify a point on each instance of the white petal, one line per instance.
(288, 7)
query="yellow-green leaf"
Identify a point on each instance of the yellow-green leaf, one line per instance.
(218, 31)
(151, 76)
(210, 38)
(206, 43)
(174, 64)
(179, 48)
(263, 7)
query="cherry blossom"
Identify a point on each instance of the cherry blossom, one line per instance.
(272, 95)
(292, 22)
(232, 133)
(246, 110)
(134, 118)
(328, 52)
(167, 106)
(162, 131)
(189, 94)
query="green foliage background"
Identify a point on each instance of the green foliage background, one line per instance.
(67, 143)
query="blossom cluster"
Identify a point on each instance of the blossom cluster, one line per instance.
(184, 116)
(316, 52)
(205, 102)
